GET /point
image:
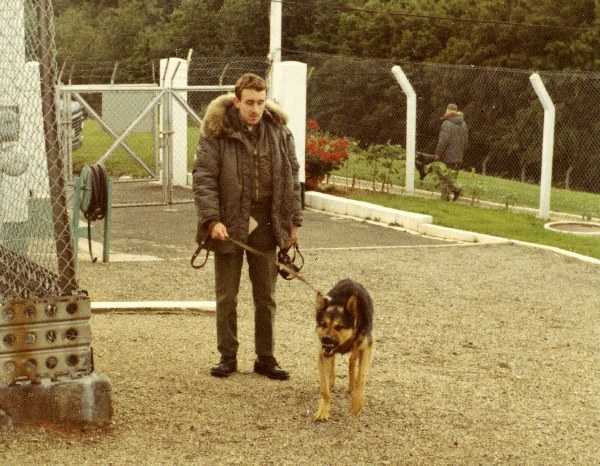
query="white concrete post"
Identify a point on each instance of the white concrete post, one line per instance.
(274, 42)
(289, 90)
(411, 126)
(547, 146)
(174, 74)
(275, 32)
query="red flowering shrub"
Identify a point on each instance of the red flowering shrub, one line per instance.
(324, 152)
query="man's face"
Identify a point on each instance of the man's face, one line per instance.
(251, 106)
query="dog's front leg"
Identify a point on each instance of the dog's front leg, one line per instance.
(352, 370)
(364, 362)
(325, 372)
(332, 373)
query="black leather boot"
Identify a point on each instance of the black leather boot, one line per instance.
(270, 368)
(224, 369)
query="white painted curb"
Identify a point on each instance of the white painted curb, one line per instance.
(419, 222)
(207, 306)
(365, 210)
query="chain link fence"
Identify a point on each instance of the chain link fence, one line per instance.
(576, 167)
(113, 102)
(36, 253)
(360, 99)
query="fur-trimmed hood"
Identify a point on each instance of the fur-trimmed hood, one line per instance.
(455, 117)
(216, 122)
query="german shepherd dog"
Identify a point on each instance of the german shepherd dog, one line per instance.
(344, 324)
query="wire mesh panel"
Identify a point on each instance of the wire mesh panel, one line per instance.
(504, 119)
(36, 255)
(212, 71)
(118, 126)
(359, 103)
(360, 99)
(98, 72)
(354, 106)
(576, 167)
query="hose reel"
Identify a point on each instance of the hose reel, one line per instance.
(94, 194)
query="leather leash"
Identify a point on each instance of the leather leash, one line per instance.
(278, 263)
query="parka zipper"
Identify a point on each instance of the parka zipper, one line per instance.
(256, 180)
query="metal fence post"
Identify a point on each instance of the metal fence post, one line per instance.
(64, 245)
(548, 144)
(411, 126)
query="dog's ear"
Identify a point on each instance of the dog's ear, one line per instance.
(322, 301)
(352, 305)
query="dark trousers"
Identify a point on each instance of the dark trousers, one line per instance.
(263, 277)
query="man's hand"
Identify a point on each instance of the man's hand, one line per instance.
(219, 232)
(293, 235)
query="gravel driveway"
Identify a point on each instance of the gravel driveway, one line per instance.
(483, 355)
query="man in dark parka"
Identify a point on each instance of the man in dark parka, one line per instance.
(450, 150)
(245, 182)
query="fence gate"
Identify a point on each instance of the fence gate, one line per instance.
(141, 133)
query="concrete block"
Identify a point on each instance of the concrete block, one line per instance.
(312, 199)
(84, 401)
(326, 202)
(365, 210)
(383, 214)
(411, 218)
(409, 223)
(447, 233)
(459, 235)
(336, 205)
(357, 209)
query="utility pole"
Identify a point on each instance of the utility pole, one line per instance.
(275, 35)
(274, 41)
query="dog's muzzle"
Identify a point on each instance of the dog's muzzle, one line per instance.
(328, 344)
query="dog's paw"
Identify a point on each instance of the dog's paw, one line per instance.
(321, 417)
(357, 405)
(322, 414)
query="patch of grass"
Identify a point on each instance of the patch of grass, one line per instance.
(497, 222)
(488, 188)
(96, 142)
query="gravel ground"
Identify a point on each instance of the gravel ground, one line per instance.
(483, 355)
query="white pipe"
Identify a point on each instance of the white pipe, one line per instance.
(547, 146)
(275, 32)
(411, 126)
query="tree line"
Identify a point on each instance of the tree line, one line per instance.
(527, 34)
(456, 50)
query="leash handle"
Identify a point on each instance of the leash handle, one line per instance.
(285, 267)
(278, 263)
(196, 254)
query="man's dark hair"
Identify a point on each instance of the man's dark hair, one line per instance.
(249, 81)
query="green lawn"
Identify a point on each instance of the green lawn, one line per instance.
(497, 222)
(96, 142)
(488, 188)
